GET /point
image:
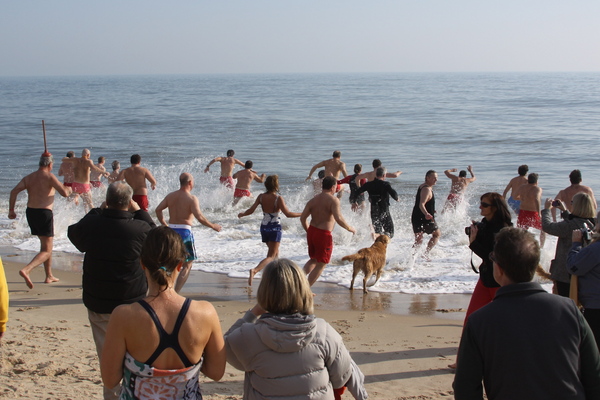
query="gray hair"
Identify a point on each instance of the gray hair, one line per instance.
(380, 172)
(46, 161)
(118, 195)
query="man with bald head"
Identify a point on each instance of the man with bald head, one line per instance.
(82, 166)
(183, 207)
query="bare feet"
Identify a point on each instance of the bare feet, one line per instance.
(25, 276)
(252, 273)
(453, 366)
(50, 279)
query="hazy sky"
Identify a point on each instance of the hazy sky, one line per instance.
(78, 37)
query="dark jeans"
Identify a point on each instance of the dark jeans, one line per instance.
(592, 316)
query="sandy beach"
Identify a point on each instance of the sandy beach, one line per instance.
(402, 343)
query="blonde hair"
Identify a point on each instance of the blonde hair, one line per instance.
(583, 206)
(284, 289)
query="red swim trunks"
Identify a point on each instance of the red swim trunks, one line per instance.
(320, 244)
(338, 188)
(142, 201)
(529, 219)
(95, 184)
(68, 184)
(80, 187)
(227, 181)
(242, 193)
(453, 199)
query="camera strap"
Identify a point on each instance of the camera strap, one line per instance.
(473, 266)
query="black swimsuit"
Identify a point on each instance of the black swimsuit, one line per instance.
(168, 340)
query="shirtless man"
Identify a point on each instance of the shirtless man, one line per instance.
(459, 185)
(183, 207)
(513, 185)
(530, 196)
(67, 171)
(40, 186)
(81, 183)
(136, 177)
(227, 165)
(244, 181)
(370, 176)
(114, 175)
(422, 218)
(95, 175)
(566, 195)
(324, 210)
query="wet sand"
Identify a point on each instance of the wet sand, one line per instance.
(402, 343)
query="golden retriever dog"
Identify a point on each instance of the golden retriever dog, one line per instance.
(369, 260)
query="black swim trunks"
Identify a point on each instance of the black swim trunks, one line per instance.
(41, 221)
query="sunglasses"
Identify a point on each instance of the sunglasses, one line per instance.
(485, 205)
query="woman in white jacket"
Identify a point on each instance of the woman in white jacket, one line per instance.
(284, 349)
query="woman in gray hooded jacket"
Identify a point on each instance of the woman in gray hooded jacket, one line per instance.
(583, 215)
(285, 351)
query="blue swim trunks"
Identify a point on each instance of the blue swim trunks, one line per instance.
(514, 204)
(185, 231)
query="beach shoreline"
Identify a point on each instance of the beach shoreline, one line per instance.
(48, 350)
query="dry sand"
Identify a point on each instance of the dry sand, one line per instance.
(48, 351)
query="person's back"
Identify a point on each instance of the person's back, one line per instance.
(321, 211)
(135, 176)
(167, 338)
(532, 345)
(40, 189)
(530, 196)
(180, 204)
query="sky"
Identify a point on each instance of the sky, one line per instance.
(74, 37)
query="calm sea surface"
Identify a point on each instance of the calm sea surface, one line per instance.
(287, 123)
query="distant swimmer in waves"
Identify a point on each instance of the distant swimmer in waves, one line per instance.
(566, 195)
(227, 165)
(95, 176)
(114, 175)
(530, 195)
(380, 192)
(370, 176)
(458, 187)
(357, 201)
(244, 181)
(81, 183)
(333, 167)
(271, 203)
(136, 177)
(512, 187)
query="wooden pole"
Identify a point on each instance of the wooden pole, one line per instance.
(46, 152)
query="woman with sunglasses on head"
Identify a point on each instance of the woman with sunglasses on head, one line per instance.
(496, 215)
(583, 215)
(158, 346)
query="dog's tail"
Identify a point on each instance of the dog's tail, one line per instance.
(352, 257)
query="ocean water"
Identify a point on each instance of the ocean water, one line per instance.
(286, 124)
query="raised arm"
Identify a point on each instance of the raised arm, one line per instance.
(393, 174)
(261, 178)
(285, 210)
(200, 217)
(214, 160)
(449, 174)
(238, 162)
(314, 168)
(472, 178)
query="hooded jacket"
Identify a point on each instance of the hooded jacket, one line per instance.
(291, 357)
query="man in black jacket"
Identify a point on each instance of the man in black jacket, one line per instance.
(111, 239)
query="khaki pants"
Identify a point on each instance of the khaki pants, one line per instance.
(99, 322)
